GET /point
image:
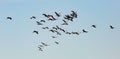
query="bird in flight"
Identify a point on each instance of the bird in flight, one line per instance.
(10, 18)
(47, 15)
(57, 14)
(77, 33)
(42, 21)
(45, 27)
(54, 28)
(35, 32)
(39, 23)
(65, 22)
(74, 14)
(33, 17)
(68, 33)
(94, 26)
(85, 31)
(53, 36)
(68, 17)
(111, 27)
(44, 44)
(56, 42)
(40, 49)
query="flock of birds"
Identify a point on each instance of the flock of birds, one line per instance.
(57, 30)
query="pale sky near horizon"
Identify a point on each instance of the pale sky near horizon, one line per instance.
(18, 42)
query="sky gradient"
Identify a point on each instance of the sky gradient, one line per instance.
(18, 42)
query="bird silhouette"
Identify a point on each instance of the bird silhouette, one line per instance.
(85, 31)
(35, 32)
(47, 15)
(10, 18)
(68, 33)
(74, 14)
(45, 27)
(53, 31)
(39, 23)
(54, 28)
(53, 18)
(63, 30)
(33, 17)
(57, 14)
(111, 27)
(94, 26)
(44, 44)
(65, 23)
(77, 33)
(42, 21)
(57, 27)
(56, 42)
(40, 49)
(53, 36)
(68, 17)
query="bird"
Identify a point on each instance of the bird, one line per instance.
(68, 33)
(35, 32)
(33, 17)
(74, 14)
(57, 27)
(85, 31)
(54, 28)
(44, 44)
(39, 23)
(56, 42)
(45, 15)
(68, 17)
(42, 20)
(45, 27)
(57, 14)
(111, 27)
(53, 17)
(65, 23)
(53, 36)
(40, 49)
(77, 33)
(10, 18)
(62, 30)
(50, 19)
(94, 26)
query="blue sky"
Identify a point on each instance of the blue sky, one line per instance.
(18, 42)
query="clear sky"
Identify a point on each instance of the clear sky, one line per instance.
(18, 42)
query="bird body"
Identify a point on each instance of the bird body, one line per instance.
(94, 26)
(39, 23)
(33, 17)
(111, 27)
(57, 14)
(44, 44)
(85, 31)
(35, 32)
(40, 49)
(56, 42)
(10, 18)
(74, 14)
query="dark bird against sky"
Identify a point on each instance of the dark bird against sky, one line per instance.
(10, 18)
(35, 32)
